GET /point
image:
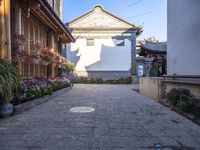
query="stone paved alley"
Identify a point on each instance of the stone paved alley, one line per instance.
(119, 119)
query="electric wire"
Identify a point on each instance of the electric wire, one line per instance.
(139, 15)
(128, 5)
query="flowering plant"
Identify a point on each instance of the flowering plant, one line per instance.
(37, 87)
(18, 56)
(68, 66)
(17, 41)
(35, 46)
(56, 58)
(46, 59)
(34, 58)
(47, 52)
(60, 63)
(46, 56)
(17, 53)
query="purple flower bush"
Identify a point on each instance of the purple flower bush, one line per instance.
(38, 87)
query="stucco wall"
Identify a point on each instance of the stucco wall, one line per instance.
(103, 56)
(195, 89)
(183, 37)
(151, 87)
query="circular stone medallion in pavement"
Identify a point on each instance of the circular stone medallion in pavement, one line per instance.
(81, 109)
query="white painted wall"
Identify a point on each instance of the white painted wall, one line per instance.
(103, 56)
(183, 37)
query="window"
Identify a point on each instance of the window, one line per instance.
(90, 42)
(36, 33)
(120, 42)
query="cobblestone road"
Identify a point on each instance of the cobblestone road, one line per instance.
(120, 119)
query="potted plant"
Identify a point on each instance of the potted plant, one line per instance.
(61, 62)
(19, 56)
(35, 59)
(17, 43)
(68, 66)
(46, 59)
(56, 60)
(35, 46)
(59, 65)
(9, 82)
(46, 56)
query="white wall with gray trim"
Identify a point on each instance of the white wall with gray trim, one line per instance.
(183, 37)
(103, 56)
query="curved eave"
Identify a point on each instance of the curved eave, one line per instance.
(153, 50)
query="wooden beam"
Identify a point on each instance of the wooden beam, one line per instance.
(55, 19)
(5, 31)
(29, 37)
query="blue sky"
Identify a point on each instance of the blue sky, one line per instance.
(153, 13)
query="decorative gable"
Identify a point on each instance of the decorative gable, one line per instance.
(99, 18)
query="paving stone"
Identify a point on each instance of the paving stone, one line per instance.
(122, 120)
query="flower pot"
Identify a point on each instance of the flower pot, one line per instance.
(45, 63)
(17, 58)
(35, 61)
(6, 110)
(23, 59)
(59, 66)
(53, 64)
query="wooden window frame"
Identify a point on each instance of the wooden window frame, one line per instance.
(37, 32)
(90, 42)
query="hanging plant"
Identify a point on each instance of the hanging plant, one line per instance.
(46, 59)
(60, 63)
(34, 58)
(19, 56)
(47, 52)
(17, 53)
(17, 41)
(35, 46)
(68, 66)
(46, 56)
(56, 59)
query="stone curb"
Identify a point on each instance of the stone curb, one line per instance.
(36, 102)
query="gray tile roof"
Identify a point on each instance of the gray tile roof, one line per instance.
(155, 46)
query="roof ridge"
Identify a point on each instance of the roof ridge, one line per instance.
(104, 10)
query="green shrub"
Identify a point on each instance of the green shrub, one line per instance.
(195, 107)
(127, 80)
(108, 82)
(181, 98)
(9, 80)
(99, 81)
(173, 96)
(91, 81)
(185, 102)
(84, 80)
(121, 80)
